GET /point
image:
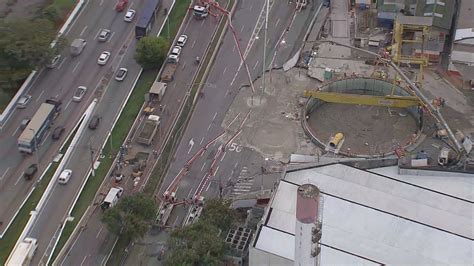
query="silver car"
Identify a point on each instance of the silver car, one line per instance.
(79, 94)
(104, 35)
(23, 101)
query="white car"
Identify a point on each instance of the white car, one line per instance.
(79, 94)
(104, 35)
(182, 40)
(103, 58)
(129, 15)
(175, 53)
(23, 101)
(121, 74)
(65, 176)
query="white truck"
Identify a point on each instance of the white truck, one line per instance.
(23, 253)
(112, 197)
(148, 129)
(77, 46)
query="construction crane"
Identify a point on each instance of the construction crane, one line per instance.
(415, 91)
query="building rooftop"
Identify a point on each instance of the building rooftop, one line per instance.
(377, 216)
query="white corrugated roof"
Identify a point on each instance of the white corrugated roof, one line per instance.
(464, 34)
(369, 218)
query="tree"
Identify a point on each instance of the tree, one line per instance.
(202, 243)
(218, 213)
(131, 217)
(27, 43)
(151, 51)
(198, 244)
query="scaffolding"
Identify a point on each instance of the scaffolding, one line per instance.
(408, 33)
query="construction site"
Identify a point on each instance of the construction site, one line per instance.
(343, 101)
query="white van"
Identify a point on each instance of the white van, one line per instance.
(65, 176)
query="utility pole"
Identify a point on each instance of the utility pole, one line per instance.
(267, 7)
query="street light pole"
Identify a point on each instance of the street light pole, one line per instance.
(267, 7)
(36, 146)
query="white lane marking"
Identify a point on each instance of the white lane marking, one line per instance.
(74, 69)
(5, 173)
(202, 23)
(268, 41)
(278, 21)
(223, 156)
(83, 30)
(242, 29)
(75, 20)
(208, 186)
(67, 105)
(255, 66)
(111, 36)
(97, 34)
(201, 141)
(98, 233)
(101, 2)
(131, 5)
(16, 130)
(235, 165)
(217, 169)
(214, 116)
(62, 62)
(209, 126)
(204, 164)
(184, 65)
(18, 180)
(44, 139)
(175, 221)
(191, 144)
(237, 193)
(194, 43)
(39, 97)
(233, 49)
(225, 69)
(251, 6)
(189, 194)
(84, 259)
(235, 76)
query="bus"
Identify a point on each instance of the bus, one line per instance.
(200, 11)
(147, 18)
(34, 131)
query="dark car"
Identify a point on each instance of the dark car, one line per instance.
(57, 103)
(30, 171)
(57, 132)
(94, 123)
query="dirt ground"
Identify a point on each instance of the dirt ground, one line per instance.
(367, 129)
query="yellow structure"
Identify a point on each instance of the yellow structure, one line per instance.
(410, 30)
(336, 140)
(347, 98)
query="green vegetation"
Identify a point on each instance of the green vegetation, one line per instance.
(24, 46)
(131, 217)
(151, 51)
(202, 243)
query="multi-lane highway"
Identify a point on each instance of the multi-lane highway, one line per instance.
(61, 83)
(94, 242)
(226, 78)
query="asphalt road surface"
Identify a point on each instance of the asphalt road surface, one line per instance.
(94, 242)
(84, 70)
(61, 83)
(227, 80)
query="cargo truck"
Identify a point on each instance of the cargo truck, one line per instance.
(112, 198)
(148, 129)
(23, 253)
(168, 71)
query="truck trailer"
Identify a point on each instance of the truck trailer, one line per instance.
(23, 253)
(168, 72)
(148, 129)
